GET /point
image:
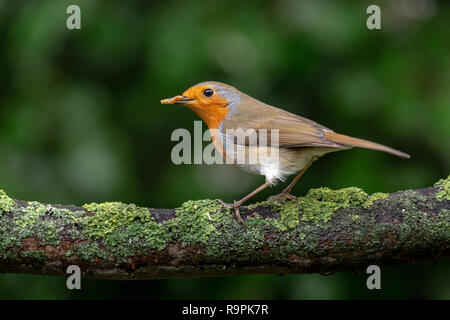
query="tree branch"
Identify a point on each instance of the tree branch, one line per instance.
(326, 231)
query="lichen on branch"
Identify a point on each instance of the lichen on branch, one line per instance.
(324, 231)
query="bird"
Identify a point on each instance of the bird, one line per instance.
(299, 141)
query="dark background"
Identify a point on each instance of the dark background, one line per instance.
(81, 121)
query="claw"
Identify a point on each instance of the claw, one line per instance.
(226, 205)
(282, 197)
(236, 209)
(238, 215)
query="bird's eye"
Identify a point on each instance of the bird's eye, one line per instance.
(208, 92)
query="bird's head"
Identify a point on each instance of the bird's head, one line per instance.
(211, 101)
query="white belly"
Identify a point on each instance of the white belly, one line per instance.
(273, 163)
(277, 165)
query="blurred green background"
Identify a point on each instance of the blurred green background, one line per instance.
(81, 121)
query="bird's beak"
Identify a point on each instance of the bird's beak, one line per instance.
(177, 100)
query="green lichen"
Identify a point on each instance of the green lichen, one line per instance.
(30, 215)
(289, 212)
(112, 215)
(444, 185)
(320, 204)
(27, 222)
(37, 255)
(88, 251)
(118, 232)
(353, 216)
(6, 203)
(117, 223)
(226, 245)
(194, 221)
(374, 197)
(32, 223)
(126, 230)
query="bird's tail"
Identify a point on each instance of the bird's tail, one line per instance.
(355, 142)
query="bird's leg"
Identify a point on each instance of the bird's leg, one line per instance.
(237, 204)
(286, 193)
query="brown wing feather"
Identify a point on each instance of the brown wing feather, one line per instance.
(355, 142)
(294, 131)
(298, 132)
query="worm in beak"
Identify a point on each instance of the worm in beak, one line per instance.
(177, 100)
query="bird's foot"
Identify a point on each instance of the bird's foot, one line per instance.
(234, 206)
(282, 197)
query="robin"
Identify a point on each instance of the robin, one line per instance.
(300, 141)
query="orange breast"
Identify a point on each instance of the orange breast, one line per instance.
(213, 116)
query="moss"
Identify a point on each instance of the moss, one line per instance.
(112, 215)
(6, 203)
(444, 186)
(37, 255)
(118, 222)
(194, 221)
(289, 212)
(115, 231)
(413, 227)
(88, 251)
(67, 221)
(12, 253)
(30, 215)
(374, 197)
(32, 223)
(320, 204)
(122, 230)
(224, 245)
(126, 230)
(27, 222)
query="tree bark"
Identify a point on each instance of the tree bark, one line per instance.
(326, 231)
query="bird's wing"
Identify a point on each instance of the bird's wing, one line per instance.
(293, 131)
